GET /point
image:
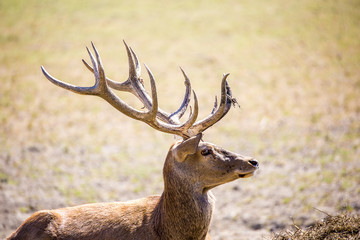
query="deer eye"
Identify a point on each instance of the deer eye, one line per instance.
(206, 152)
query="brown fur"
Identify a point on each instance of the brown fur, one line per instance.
(183, 211)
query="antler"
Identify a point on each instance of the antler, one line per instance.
(134, 85)
(155, 117)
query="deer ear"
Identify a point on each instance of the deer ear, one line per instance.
(187, 147)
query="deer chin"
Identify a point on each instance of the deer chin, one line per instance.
(247, 175)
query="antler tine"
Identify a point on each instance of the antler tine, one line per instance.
(98, 68)
(182, 129)
(182, 109)
(137, 63)
(134, 72)
(87, 66)
(154, 108)
(124, 86)
(70, 87)
(215, 105)
(225, 105)
(80, 90)
(193, 116)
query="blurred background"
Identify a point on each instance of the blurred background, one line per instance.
(295, 71)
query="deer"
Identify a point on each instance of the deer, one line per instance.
(191, 169)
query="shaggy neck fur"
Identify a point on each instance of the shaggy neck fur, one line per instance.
(184, 210)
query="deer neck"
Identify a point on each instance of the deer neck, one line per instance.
(184, 210)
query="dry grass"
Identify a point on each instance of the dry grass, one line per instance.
(343, 226)
(295, 70)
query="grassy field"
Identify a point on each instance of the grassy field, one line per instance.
(295, 71)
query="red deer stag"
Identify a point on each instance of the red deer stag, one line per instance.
(192, 167)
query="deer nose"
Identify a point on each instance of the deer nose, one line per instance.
(254, 162)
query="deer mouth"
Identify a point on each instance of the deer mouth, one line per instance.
(246, 175)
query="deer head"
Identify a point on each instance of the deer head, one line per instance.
(204, 165)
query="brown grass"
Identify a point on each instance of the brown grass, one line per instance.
(344, 226)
